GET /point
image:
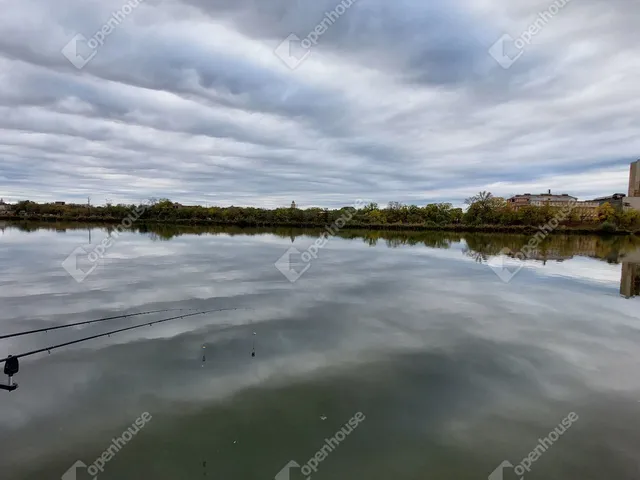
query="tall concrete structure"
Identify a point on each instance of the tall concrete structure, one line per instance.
(634, 179)
(632, 201)
(630, 281)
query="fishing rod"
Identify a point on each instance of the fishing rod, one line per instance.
(46, 329)
(12, 364)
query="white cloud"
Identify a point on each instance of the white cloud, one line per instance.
(187, 100)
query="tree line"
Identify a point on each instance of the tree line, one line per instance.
(484, 212)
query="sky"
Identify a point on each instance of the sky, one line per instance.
(220, 102)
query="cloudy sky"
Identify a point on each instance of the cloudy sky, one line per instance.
(398, 100)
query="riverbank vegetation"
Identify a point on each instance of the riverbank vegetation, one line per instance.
(485, 213)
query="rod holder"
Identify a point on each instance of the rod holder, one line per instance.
(11, 367)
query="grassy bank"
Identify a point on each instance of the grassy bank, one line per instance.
(584, 229)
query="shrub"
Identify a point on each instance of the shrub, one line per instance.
(608, 227)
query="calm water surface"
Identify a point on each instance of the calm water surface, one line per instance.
(453, 370)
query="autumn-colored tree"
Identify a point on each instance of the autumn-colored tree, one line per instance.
(606, 213)
(629, 219)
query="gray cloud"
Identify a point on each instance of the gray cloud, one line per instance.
(400, 101)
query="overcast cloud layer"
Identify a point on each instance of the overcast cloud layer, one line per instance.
(399, 101)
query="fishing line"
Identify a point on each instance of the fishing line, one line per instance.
(12, 365)
(29, 332)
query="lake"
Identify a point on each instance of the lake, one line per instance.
(378, 355)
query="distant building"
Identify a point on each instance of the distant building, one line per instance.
(585, 209)
(634, 179)
(616, 200)
(60, 203)
(540, 200)
(631, 203)
(3, 206)
(620, 201)
(293, 205)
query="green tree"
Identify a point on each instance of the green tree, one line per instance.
(606, 213)
(481, 208)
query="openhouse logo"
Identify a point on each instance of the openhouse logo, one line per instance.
(293, 51)
(507, 263)
(544, 444)
(293, 269)
(81, 263)
(79, 51)
(117, 444)
(507, 50)
(330, 445)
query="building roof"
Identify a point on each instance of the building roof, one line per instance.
(608, 197)
(549, 195)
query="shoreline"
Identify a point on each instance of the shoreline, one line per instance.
(456, 228)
